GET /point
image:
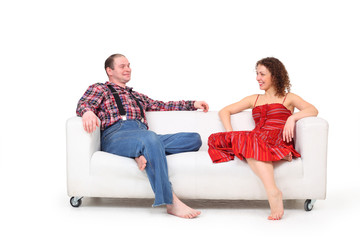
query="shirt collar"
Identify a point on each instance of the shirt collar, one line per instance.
(129, 89)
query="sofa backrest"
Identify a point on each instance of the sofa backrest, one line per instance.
(196, 121)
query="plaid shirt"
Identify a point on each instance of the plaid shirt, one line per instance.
(99, 99)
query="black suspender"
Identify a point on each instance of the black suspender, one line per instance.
(118, 102)
(140, 106)
(120, 105)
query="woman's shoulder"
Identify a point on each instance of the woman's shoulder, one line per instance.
(253, 97)
(292, 96)
(294, 100)
(251, 100)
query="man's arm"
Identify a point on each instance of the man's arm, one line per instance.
(154, 105)
(87, 107)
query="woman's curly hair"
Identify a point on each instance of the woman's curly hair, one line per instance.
(279, 74)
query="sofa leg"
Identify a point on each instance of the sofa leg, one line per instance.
(75, 201)
(309, 204)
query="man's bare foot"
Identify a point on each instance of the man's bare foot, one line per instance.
(288, 157)
(141, 162)
(276, 205)
(179, 209)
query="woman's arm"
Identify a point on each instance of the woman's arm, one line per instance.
(305, 110)
(237, 107)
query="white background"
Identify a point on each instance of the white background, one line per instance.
(51, 51)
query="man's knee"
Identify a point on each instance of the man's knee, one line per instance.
(191, 141)
(196, 140)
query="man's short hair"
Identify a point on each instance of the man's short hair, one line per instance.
(110, 60)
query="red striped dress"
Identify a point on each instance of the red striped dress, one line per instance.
(263, 143)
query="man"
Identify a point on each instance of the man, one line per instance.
(124, 129)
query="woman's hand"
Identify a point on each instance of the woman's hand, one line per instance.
(306, 110)
(289, 128)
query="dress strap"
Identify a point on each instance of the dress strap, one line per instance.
(256, 100)
(285, 98)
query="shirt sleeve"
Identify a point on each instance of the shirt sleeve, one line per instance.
(90, 101)
(155, 105)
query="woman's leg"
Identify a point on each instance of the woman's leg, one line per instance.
(288, 157)
(265, 171)
(220, 147)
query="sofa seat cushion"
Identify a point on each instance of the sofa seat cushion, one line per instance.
(193, 175)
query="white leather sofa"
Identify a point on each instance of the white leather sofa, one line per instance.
(93, 173)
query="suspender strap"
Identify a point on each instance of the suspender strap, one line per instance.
(138, 103)
(121, 107)
(118, 102)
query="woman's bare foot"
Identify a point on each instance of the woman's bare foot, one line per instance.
(179, 209)
(276, 205)
(141, 162)
(288, 157)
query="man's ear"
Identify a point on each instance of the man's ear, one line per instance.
(109, 71)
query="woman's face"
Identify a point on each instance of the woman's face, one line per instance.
(263, 76)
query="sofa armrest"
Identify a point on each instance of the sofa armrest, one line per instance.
(311, 141)
(80, 147)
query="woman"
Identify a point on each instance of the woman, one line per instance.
(271, 139)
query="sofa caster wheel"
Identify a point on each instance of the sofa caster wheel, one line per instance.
(309, 204)
(75, 201)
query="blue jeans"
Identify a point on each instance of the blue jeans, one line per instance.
(132, 139)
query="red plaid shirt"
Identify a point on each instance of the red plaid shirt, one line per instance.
(99, 99)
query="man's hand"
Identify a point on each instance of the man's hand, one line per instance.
(201, 105)
(90, 121)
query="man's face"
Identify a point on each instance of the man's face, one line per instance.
(121, 74)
